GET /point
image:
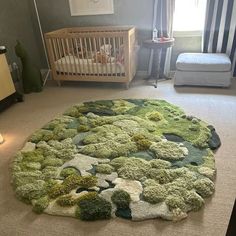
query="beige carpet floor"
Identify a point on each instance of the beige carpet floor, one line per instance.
(216, 106)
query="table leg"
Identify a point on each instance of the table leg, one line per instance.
(156, 65)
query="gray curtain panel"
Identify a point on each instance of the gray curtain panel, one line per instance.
(163, 21)
(220, 29)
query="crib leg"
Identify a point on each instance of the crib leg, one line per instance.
(58, 83)
(127, 85)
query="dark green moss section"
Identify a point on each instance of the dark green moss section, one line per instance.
(214, 142)
(138, 102)
(70, 183)
(102, 108)
(121, 198)
(173, 138)
(195, 156)
(94, 209)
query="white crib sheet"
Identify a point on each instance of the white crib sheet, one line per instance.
(71, 64)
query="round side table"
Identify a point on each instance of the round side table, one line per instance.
(157, 47)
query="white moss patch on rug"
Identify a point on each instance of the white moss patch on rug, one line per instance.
(135, 158)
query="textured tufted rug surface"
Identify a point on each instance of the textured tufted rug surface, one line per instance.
(135, 158)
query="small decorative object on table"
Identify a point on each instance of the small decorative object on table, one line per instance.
(157, 45)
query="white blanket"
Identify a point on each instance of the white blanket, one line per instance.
(71, 64)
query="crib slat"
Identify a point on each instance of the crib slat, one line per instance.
(96, 56)
(91, 55)
(61, 55)
(69, 56)
(104, 43)
(82, 53)
(56, 54)
(65, 56)
(119, 44)
(86, 48)
(77, 53)
(111, 69)
(99, 44)
(115, 54)
(75, 70)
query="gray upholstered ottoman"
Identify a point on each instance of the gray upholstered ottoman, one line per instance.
(203, 69)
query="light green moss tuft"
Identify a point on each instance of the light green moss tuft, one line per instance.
(50, 172)
(155, 116)
(23, 178)
(141, 141)
(87, 181)
(118, 162)
(174, 202)
(194, 201)
(57, 190)
(104, 169)
(160, 164)
(202, 140)
(30, 166)
(162, 176)
(83, 128)
(150, 182)
(122, 106)
(52, 162)
(66, 200)
(154, 194)
(40, 205)
(169, 150)
(41, 135)
(73, 111)
(207, 172)
(34, 190)
(205, 187)
(134, 168)
(110, 149)
(68, 171)
(34, 156)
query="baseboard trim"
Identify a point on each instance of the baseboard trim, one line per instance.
(142, 73)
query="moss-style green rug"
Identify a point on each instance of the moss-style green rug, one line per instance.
(136, 159)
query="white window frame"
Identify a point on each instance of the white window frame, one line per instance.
(183, 34)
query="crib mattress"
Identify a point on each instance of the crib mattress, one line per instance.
(74, 65)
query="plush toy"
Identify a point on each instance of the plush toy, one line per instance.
(106, 49)
(31, 76)
(100, 57)
(104, 55)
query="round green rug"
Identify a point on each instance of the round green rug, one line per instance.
(135, 158)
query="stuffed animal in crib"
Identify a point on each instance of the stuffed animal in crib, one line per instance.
(101, 57)
(106, 49)
(104, 55)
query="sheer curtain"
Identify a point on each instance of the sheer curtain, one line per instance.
(163, 20)
(220, 29)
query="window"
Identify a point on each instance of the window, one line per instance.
(189, 17)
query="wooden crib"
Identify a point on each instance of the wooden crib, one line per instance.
(101, 54)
